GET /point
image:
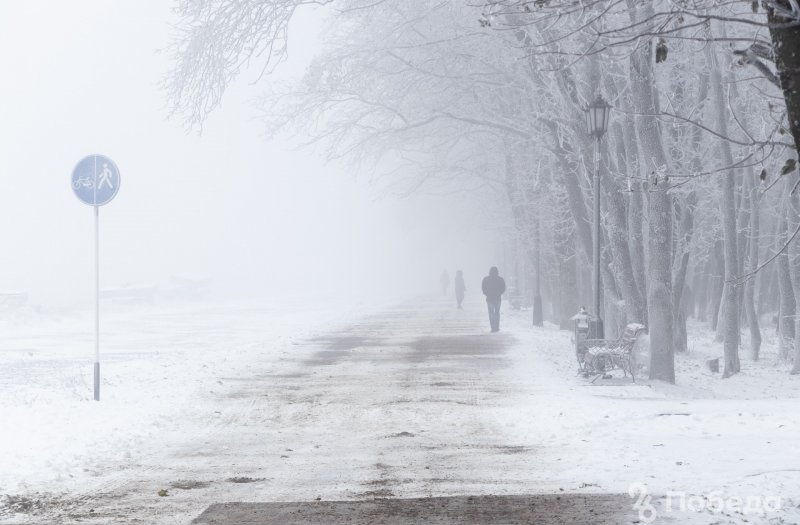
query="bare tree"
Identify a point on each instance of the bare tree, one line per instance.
(477, 99)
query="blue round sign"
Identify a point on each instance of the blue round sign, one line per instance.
(95, 180)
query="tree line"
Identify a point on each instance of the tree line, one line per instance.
(698, 169)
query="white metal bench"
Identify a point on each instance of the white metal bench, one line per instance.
(598, 356)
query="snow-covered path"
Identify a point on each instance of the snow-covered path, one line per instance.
(420, 401)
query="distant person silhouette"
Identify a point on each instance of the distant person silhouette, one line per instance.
(493, 287)
(460, 288)
(445, 281)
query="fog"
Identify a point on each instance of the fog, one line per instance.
(272, 328)
(260, 218)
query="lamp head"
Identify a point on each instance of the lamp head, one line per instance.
(597, 114)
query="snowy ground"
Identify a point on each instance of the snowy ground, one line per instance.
(160, 366)
(246, 403)
(706, 442)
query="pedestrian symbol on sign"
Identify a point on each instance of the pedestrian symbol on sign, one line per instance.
(105, 178)
(95, 180)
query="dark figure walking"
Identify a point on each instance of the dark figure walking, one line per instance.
(460, 288)
(493, 287)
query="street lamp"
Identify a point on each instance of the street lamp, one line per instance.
(597, 114)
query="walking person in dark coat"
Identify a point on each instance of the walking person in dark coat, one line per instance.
(460, 287)
(493, 287)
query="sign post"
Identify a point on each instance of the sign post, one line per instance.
(95, 181)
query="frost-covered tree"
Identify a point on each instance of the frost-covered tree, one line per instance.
(486, 100)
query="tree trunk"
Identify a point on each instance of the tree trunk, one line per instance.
(793, 210)
(769, 293)
(752, 264)
(636, 239)
(566, 257)
(719, 336)
(679, 272)
(717, 285)
(659, 263)
(743, 239)
(538, 319)
(787, 303)
(618, 240)
(727, 181)
(786, 49)
(685, 209)
(701, 288)
(785, 35)
(681, 336)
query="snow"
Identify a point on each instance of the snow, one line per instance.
(156, 363)
(197, 392)
(705, 435)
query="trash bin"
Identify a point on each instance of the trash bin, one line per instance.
(581, 319)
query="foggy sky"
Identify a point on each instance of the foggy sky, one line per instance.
(256, 216)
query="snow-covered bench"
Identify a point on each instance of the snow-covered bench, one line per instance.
(598, 356)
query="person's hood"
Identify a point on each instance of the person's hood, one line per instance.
(494, 272)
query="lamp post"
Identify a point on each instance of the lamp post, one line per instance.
(597, 114)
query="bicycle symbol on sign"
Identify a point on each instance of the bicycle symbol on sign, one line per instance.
(83, 182)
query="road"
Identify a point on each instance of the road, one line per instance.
(390, 419)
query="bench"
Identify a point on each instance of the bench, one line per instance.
(598, 356)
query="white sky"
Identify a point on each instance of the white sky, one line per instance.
(81, 77)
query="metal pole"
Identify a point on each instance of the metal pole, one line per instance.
(596, 247)
(97, 303)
